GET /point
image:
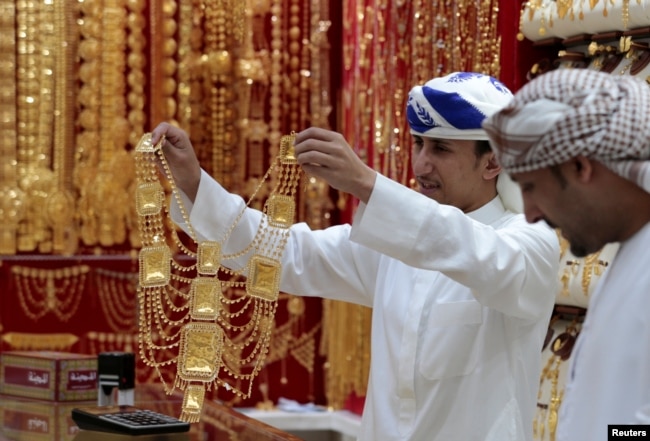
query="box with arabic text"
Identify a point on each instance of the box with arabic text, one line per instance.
(48, 375)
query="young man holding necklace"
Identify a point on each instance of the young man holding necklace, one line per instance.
(461, 287)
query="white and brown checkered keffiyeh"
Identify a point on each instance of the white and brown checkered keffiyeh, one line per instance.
(570, 112)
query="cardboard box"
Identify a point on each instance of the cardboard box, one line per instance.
(48, 375)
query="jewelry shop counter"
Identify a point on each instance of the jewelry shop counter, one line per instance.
(22, 419)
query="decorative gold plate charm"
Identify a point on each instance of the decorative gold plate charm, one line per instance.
(205, 297)
(264, 278)
(287, 152)
(155, 264)
(281, 210)
(149, 198)
(192, 403)
(145, 145)
(200, 351)
(208, 258)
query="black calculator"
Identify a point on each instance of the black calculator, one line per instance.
(126, 420)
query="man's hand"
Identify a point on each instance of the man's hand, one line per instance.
(327, 155)
(180, 156)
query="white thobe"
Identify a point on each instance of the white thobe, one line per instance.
(609, 376)
(461, 305)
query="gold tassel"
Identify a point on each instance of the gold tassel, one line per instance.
(192, 403)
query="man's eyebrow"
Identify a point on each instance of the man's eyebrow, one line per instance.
(442, 142)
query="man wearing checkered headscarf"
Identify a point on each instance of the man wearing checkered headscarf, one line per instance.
(578, 142)
(571, 112)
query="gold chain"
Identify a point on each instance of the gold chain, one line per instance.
(50, 290)
(185, 314)
(116, 292)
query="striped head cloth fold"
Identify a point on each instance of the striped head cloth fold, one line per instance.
(570, 112)
(454, 106)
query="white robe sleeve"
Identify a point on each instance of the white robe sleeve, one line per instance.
(322, 263)
(512, 268)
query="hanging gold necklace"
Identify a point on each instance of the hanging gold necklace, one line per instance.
(215, 336)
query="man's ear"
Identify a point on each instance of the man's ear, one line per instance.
(492, 167)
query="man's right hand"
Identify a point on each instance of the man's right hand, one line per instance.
(180, 155)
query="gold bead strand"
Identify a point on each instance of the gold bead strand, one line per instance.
(403, 73)
(34, 88)
(493, 52)
(294, 50)
(216, 61)
(188, 31)
(319, 84)
(114, 128)
(307, 50)
(168, 61)
(136, 63)
(442, 44)
(60, 205)
(88, 140)
(276, 97)
(11, 196)
(116, 291)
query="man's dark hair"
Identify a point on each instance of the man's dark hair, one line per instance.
(555, 170)
(482, 147)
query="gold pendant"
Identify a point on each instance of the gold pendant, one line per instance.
(149, 198)
(192, 403)
(200, 352)
(264, 278)
(205, 296)
(208, 258)
(281, 210)
(155, 266)
(287, 152)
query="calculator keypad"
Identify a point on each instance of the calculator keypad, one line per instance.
(128, 420)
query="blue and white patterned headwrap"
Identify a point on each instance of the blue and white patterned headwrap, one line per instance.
(454, 106)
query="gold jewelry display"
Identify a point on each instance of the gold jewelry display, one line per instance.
(578, 277)
(217, 339)
(11, 197)
(549, 396)
(37, 46)
(116, 291)
(40, 341)
(43, 290)
(113, 341)
(136, 62)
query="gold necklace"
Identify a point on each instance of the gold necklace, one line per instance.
(187, 319)
(116, 291)
(110, 341)
(50, 290)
